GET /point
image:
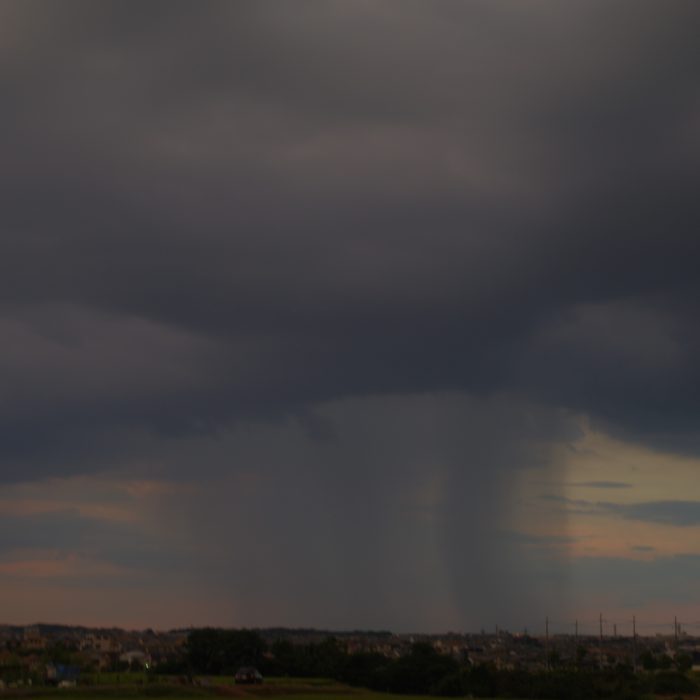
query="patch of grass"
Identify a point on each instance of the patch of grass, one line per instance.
(287, 680)
(208, 687)
(342, 693)
(114, 678)
(121, 692)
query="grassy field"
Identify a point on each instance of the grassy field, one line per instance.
(219, 687)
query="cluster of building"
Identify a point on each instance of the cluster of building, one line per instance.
(506, 650)
(54, 652)
(522, 651)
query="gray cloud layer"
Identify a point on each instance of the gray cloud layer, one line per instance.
(236, 210)
(216, 214)
(669, 512)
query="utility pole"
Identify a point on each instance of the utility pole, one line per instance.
(546, 643)
(675, 629)
(615, 630)
(634, 643)
(576, 642)
(600, 626)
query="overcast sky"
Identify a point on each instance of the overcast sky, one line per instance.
(349, 313)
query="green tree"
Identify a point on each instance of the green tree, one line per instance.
(217, 651)
(684, 662)
(648, 661)
(665, 662)
(421, 670)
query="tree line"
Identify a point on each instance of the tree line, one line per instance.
(421, 671)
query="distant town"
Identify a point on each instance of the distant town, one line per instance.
(26, 652)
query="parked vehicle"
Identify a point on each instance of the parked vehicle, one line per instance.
(248, 675)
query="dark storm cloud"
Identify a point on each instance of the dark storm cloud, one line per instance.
(545, 541)
(77, 532)
(125, 547)
(604, 484)
(221, 216)
(678, 513)
(671, 512)
(239, 210)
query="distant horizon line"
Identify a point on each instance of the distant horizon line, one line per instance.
(367, 631)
